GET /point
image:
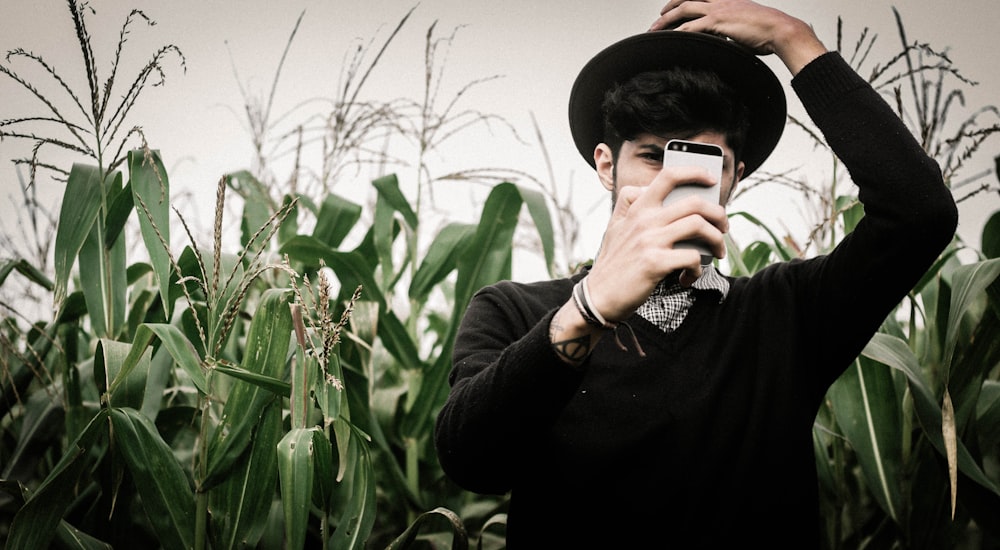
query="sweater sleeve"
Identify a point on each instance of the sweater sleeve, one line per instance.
(910, 215)
(507, 386)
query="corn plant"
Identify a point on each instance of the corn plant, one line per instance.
(208, 399)
(414, 292)
(906, 443)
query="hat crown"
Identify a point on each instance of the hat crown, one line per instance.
(740, 68)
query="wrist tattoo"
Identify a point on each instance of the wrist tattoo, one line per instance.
(573, 350)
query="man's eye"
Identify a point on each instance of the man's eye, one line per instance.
(652, 156)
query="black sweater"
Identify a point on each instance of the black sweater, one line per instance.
(707, 441)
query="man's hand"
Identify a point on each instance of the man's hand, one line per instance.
(638, 249)
(763, 29)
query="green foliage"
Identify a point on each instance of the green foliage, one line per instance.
(212, 478)
(284, 392)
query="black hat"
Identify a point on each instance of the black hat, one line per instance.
(735, 64)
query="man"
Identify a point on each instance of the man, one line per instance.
(699, 433)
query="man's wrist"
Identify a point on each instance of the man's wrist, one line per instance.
(571, 337)
(797, 45)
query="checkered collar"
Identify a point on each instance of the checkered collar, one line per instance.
(669, 303)
(710, 279)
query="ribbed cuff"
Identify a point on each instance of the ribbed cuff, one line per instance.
(825, 80)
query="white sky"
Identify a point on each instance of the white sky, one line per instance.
(537, 47)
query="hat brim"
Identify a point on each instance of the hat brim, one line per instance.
(752, 79)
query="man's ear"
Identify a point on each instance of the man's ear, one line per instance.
(737, 176)
(604, 162)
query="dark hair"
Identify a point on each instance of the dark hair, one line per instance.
(675, 102)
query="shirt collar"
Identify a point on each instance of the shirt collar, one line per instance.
(710, 280)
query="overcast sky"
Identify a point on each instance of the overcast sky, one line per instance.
(536, 47)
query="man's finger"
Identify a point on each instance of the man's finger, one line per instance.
(689, 276)
(672, 177)
(626, 197)
(711, 212)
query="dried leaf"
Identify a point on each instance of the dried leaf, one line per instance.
(951, 445)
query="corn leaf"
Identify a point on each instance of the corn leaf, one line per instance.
(267, 346)
(351, 268)
(489, 258)
(756, 256)
(893, 352)
(867, 410)
(337, 216)
(66, 536)
(950, 437)
(161, 371)
(384, 231)
(290, 227)
(988, 413)
(248, 186)
(19, 370)
(777, 245)
(824, 468)
(179, 347)
(240, 504)
(102, 275)
(71, 538)
(24, 268)
(295, 472)
(460, 540)
(486, 261)
(323, 475)
(151, 195)
(385, 228)
(36, 522)
(40, 425)
(736, 265)
(539, 212)
(231, 273)
(358, 517)
(80, 206)
(397, 340)
(441, 259)
(991, 237)
(851, 211)
(495, 530)
(117, 216)
(271, 384)
(166, 496)
(344, 437)
(256, 214)
(969, 283)
(388, 190)
(187, 265)
(331, 396)
(974, 359)
(934, 272)
(110, 360)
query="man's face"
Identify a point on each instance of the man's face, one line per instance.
(641, 159)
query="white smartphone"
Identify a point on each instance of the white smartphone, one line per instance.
(680, 152)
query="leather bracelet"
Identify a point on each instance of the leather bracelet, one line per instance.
(581, 297)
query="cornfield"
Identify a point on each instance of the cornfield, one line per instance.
(281, 391)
